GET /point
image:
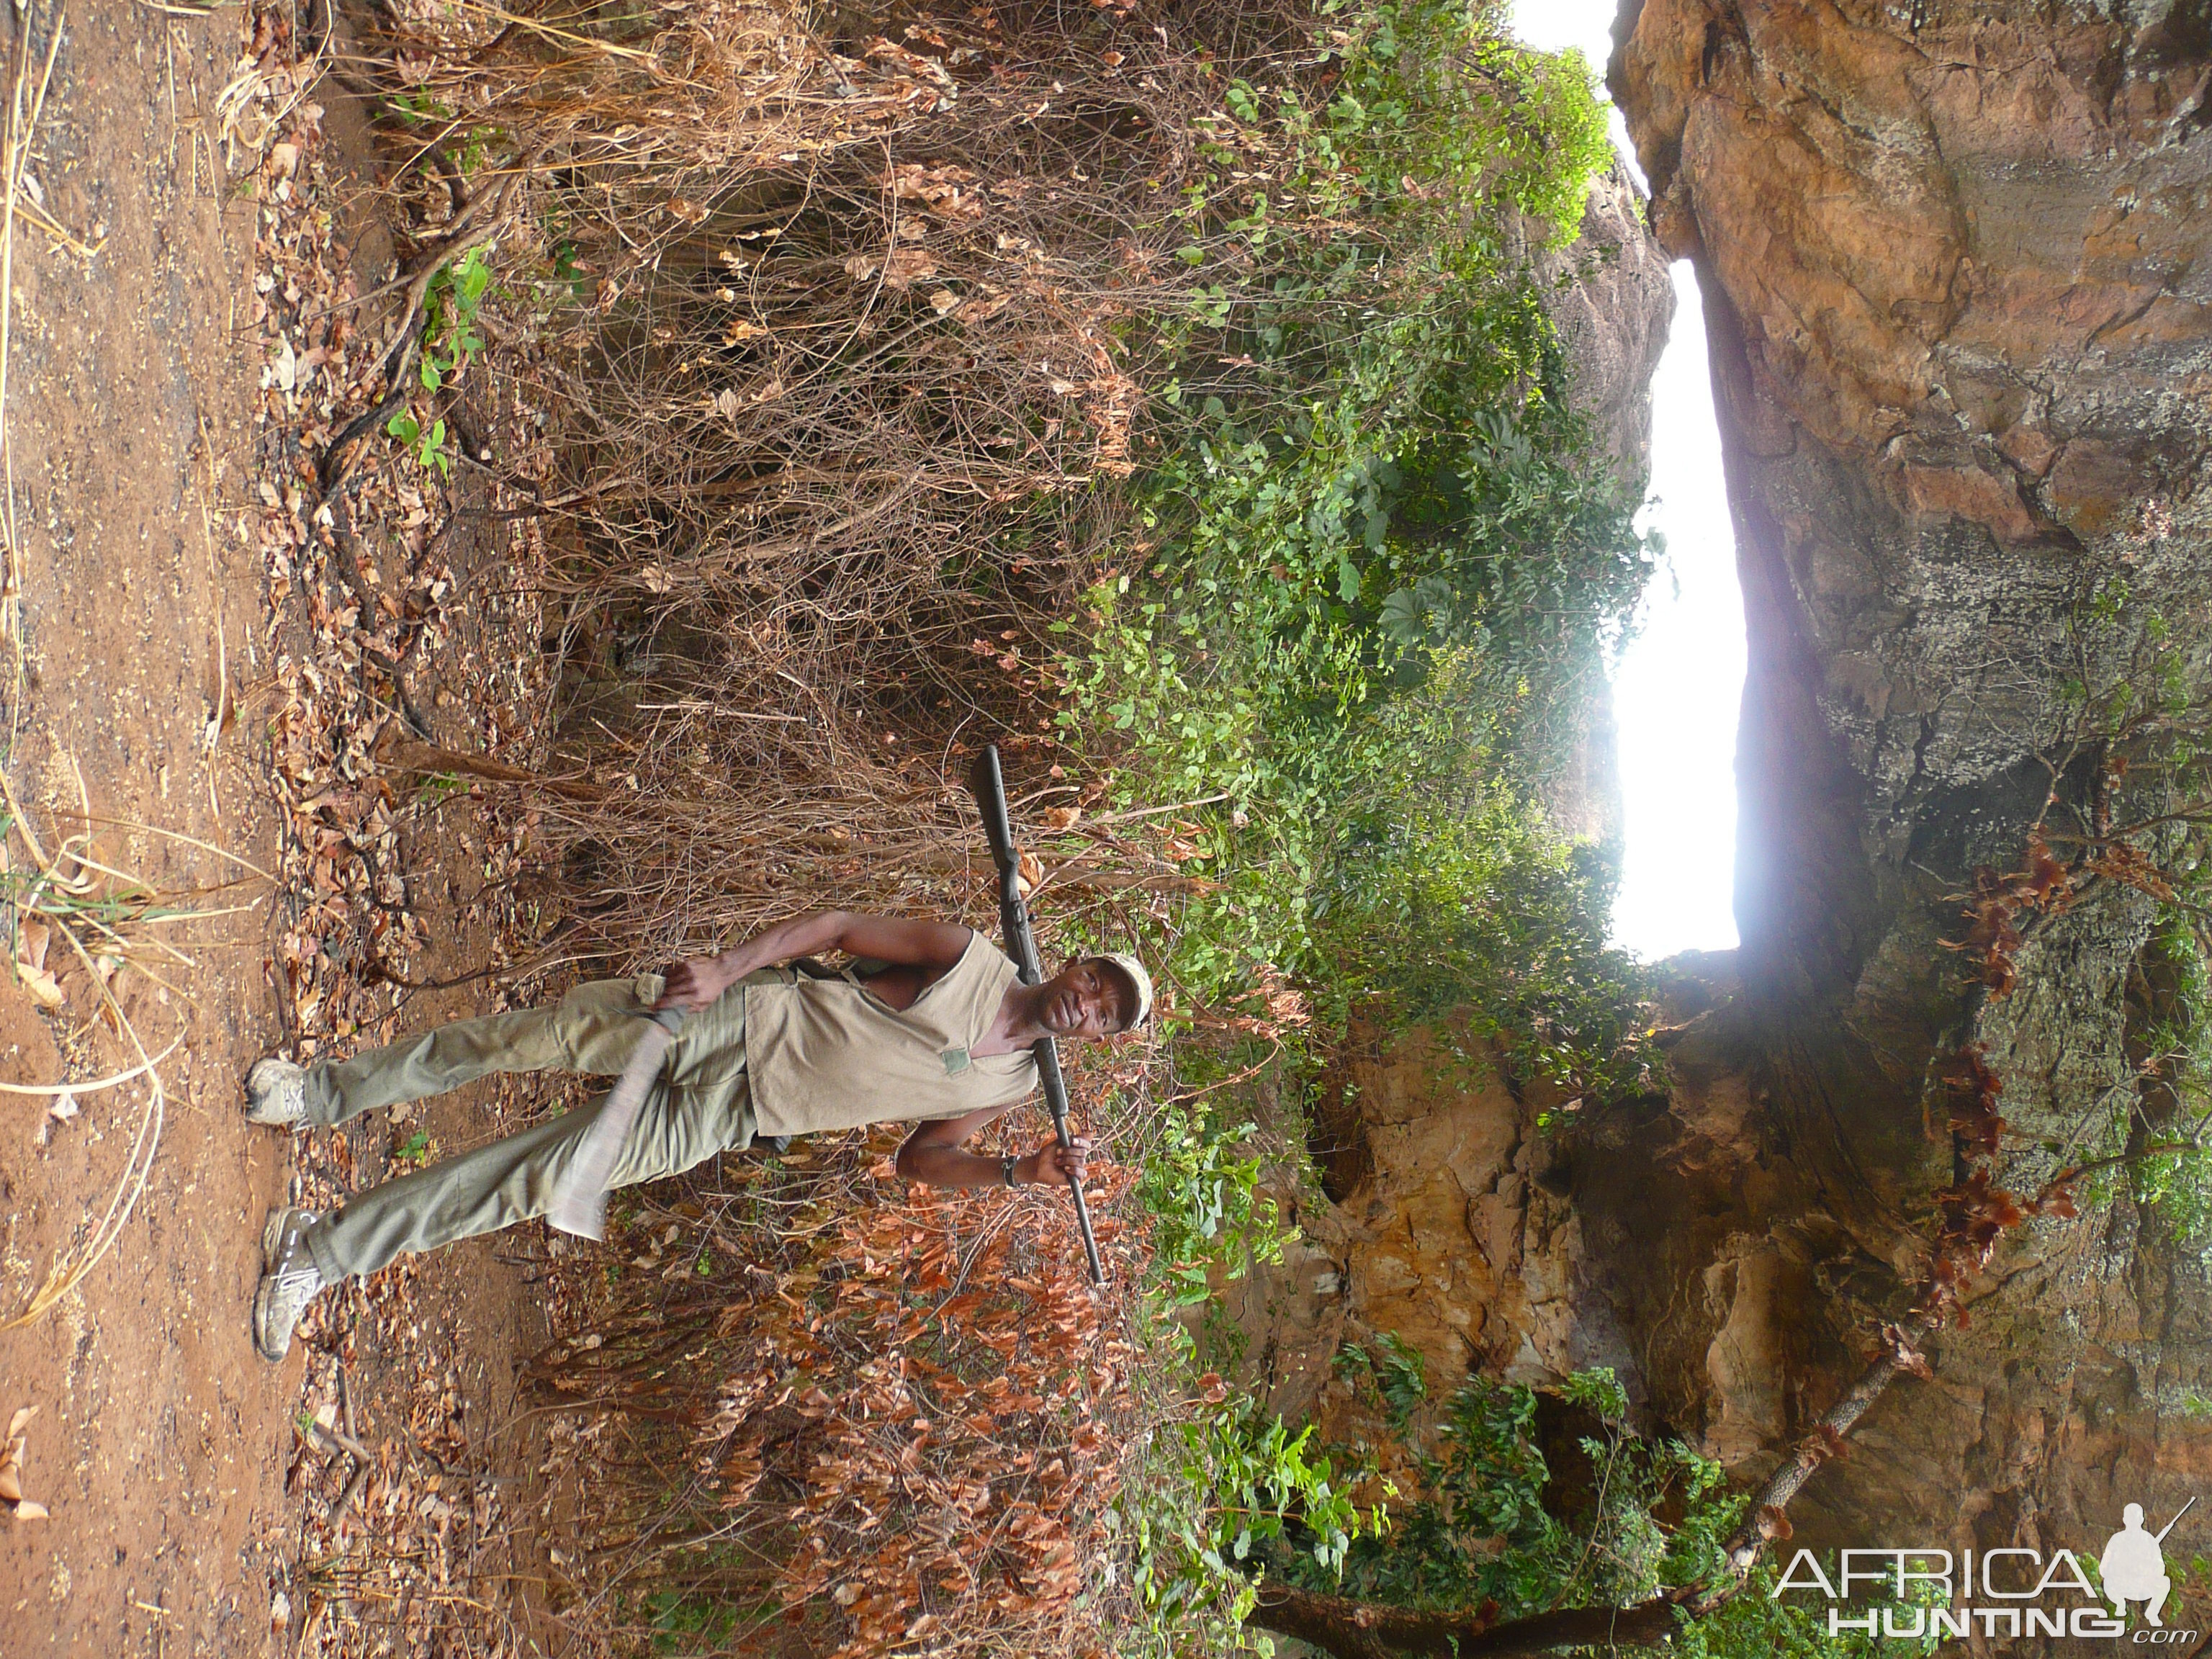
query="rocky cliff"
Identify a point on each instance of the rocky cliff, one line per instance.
(1609, 295)
(1952, 259)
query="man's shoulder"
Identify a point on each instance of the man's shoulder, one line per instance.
(983, 957)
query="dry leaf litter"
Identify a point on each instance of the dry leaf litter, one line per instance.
(407, 1530)
(22, 1507)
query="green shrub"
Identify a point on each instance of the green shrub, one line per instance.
(450, 317)
(2172, 1103)
(1378, 565)
(1230, 1491)
(1373, 571)
(1485, 1526)
(1211, 1221)
(1396, 1372)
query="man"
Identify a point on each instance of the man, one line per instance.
(941, 1031)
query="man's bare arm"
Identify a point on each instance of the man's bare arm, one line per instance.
(933, 1153)
(931, 946)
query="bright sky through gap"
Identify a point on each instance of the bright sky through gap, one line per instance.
(1678, 690)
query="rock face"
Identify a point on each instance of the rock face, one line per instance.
(1456, 1237)
(1953, 258)
(1953, 261)
(1612, 299)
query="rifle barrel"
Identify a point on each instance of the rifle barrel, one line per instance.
(988, 781)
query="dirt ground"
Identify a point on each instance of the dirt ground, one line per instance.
(188, 1513)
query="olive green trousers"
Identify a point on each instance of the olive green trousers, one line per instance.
(699, 1105)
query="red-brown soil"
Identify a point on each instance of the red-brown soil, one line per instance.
(187, 1515)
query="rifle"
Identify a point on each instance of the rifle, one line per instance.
(989, 784)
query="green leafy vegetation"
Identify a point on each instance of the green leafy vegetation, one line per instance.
(1377, 566)
(451, 306)
(1375, 571)
(1493, 1521)
(1480, 1529)
(427, 445)
(1233, 1489)
(451, 339)
(2159, 1129)
(1396, 1372)
(1211, 1218)
(680, 1623)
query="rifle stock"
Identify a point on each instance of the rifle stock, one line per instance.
(988, 782)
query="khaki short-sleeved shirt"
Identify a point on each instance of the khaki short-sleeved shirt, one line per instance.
(829, 1054)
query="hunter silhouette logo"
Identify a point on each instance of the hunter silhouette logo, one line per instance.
(2133, 1565)
(2010, 1591)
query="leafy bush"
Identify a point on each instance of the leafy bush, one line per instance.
(1485, 1526)
(1233, 1491)
(1381, 567)
(1394, 1370)
(2171, 1107)
(1201, 1192)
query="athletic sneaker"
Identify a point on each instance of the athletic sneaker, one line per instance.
(289, 1280)
(277, 1094)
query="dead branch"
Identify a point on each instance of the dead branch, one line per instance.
(1362, 1630)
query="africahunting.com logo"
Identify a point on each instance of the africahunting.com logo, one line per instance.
(2011, 1593)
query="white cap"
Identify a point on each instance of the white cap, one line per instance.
(1137, 977)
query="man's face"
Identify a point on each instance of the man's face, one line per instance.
(1085, 999)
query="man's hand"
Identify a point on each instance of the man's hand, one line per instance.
(933, 946)
(933, 1153)
(1056, 1163)
(691, 986)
